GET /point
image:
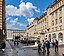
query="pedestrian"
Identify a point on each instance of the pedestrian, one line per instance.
(39, 46)
(53, 43)
(14, 43)
(3, 46)
(47, 46)
(56, 46)
(17, 43)
(43, 47)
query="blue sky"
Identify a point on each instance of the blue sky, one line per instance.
(20, 13)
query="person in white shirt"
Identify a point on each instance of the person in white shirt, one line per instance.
(43, 47)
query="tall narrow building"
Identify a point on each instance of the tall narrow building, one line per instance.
(2, 21)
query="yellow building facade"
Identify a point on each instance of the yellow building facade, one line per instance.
(2, 20)
(50, 24)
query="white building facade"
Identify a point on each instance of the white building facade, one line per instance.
(11, 34)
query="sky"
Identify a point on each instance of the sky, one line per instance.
(20, 13)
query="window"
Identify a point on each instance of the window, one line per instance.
(45, 20)
(52, 29)
(54, 36)
(52, 22)
(60, 20)
(56, 21)
(56, 14)
(60, 12)
(46, 35)
(58, 5)
(60, 27)
(45, 26)
(52, 16)
(0, 7)
(56, 28)
(60, 37)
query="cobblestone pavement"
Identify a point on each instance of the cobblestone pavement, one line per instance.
(12, 50)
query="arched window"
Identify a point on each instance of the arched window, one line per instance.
(50, 37)
(60, 37)
(54, 37)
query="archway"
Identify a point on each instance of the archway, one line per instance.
(49, 37)
(60, 37)
(54, 37)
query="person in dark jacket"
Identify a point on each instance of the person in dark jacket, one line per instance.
(56, 46)
(14, 43)
(47, 46)
(39, 46)
(3, 45)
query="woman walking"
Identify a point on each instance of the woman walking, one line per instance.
(56, 46)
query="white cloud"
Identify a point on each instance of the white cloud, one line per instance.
(44, 10)
(37, 10)
(11, 10)
(30, 20)
(8, 18)
(25, 9)
(14, 21)
(14, 24)
(11, 26)
(20, 24)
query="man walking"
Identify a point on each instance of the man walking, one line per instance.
(47, 46)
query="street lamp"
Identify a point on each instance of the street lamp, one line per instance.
(27, 39)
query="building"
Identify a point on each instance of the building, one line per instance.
(32, 32)
(50, 24)
(11, 34)
(2, 21)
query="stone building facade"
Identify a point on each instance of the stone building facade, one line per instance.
(11, 34)
(50, 24)
(2, 21)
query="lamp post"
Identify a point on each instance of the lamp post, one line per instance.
(27, 39)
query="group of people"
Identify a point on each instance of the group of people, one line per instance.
(45, 46)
